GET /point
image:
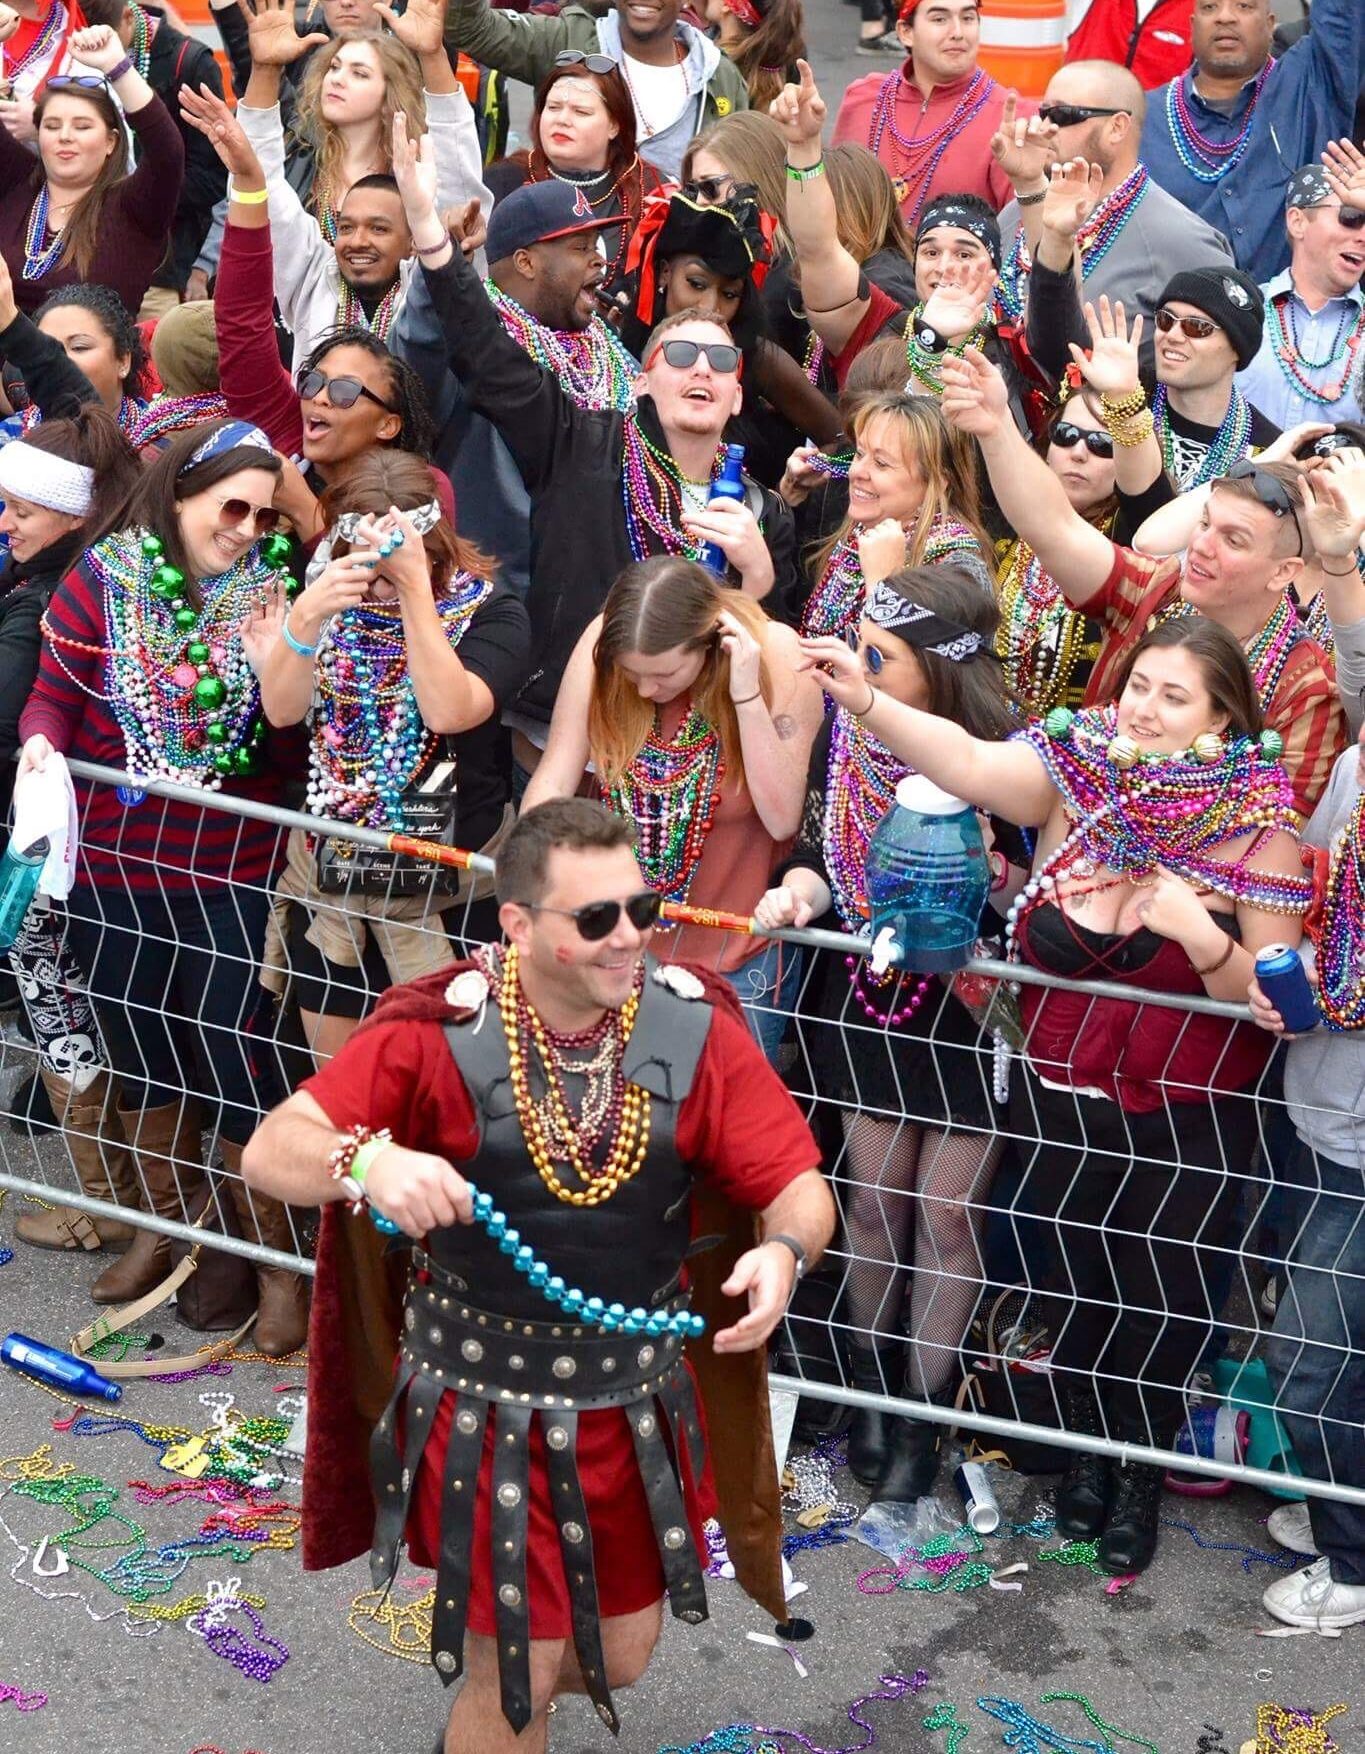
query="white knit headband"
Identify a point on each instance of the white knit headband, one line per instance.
(45, 479)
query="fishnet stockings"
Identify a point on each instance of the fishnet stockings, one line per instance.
(903, 1181)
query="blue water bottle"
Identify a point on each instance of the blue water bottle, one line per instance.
(729, 484)
(20, 870)
(927, 880)
(1281, 976)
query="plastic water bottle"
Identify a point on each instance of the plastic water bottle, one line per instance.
(729, 484)
(20, 870)
(927, 880)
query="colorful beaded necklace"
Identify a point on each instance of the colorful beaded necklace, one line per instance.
(628, 1148)
(131, 410)
(325, 211)
(1339, 935)
(51, 28)
(915, 158)
(1040, 638)
(671, 791)
(652, 488)
(351, 311)
(39, 257)
(926, 364)
(155, 421)
(1094, 239)
(1268, 652)
(1317, 624)
(836, 603)
(1135, 814)
(1287, 350)
(177, 677)
(140, 51)
(814, 358)
(594, 369)
(833, 468)
(861, 776)
(1227, 446)
(369, 742)
(1205, 160)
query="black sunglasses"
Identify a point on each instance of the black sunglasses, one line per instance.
(711, 191)
(721, 356)
(873, 657)
(1067, 115)
(342, 392)
(1269, 489)
(1068, 435)
(598, 919)
(593, 63)
(1353, 218)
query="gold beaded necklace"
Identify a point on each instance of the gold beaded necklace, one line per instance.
(627, 1154)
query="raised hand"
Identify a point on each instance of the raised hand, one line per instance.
(97, 46)
(1073, 193)
(975, 397)
(419, 27)
(1112, 364)
(745, 655)
(799, 110)
(954, 311)
(1334, 504)
(1022, 145)
(839, 671)
(1344, 163)
(205, 111)
(467, 227)
(261, 629)
(414, 170)
(273, 36)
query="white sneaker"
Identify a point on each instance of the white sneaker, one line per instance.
(1290, 1527)
(1311, 1598)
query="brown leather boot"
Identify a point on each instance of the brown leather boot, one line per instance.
(282, 1317)
(167, 1151)
(94, 1137)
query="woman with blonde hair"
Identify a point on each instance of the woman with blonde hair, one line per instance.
(744, 147)
(912, 501)
(683, 700)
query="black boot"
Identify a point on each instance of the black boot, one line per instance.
(1130, 1539)
(869, 1433)
(912, 1464)
(1085, 1490)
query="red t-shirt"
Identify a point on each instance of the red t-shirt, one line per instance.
(1304, 708)
(881, 309)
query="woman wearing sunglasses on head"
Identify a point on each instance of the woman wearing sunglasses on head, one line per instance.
(76, 213)
(898, 1054)
(682, 700)
(1048, 649)
(400, 651)
(583, 133)
(151, 647)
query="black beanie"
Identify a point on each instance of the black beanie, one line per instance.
(1233, 301)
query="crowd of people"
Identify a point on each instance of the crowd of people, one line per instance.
(354, 464)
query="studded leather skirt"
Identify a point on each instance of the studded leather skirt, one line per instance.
(509, 1373)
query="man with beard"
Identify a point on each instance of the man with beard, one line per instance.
(607, 484)
(1136, 234)
(1226, 137)
(537, 295)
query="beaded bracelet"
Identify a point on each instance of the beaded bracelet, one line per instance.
(346, 1166)
(295, 644)
(797, 174)
(1124, 407)
(249, 197)
(1135, 432)
(1031, 200)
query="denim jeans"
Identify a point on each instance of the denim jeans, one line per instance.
(1316, 1352)
(768, 985)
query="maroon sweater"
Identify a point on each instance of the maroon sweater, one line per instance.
(159, 843)
(135, 224)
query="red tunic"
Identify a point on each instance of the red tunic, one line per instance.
(739, 1130)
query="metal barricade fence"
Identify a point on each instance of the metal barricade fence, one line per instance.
(1082, 1260)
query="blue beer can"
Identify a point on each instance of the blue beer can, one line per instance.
(1284, 981)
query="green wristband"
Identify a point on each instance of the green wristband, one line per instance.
(364, 1156)
(795, 174)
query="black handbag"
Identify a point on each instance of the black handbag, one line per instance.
(346, 867)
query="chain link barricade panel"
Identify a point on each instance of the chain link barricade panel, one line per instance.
(1056, 1271)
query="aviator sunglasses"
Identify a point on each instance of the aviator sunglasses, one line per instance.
(593, 63)
(231, 512)
(598, 919)
(721, 356)
(1068, 435)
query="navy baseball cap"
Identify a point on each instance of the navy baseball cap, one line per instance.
(538, 212)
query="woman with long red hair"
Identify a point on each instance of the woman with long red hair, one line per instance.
(583, 132)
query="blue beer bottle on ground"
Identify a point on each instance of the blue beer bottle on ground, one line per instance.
(927, 880)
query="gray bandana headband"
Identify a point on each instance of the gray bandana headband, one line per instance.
(918, 626)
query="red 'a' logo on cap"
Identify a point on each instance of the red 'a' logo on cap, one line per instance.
(582, 207)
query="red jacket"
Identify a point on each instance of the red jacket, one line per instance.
(1157, 47)
(966, 167)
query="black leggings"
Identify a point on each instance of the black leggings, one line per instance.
(173, 977)
(1138, 1207)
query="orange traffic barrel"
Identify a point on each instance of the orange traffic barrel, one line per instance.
(1023, 42)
